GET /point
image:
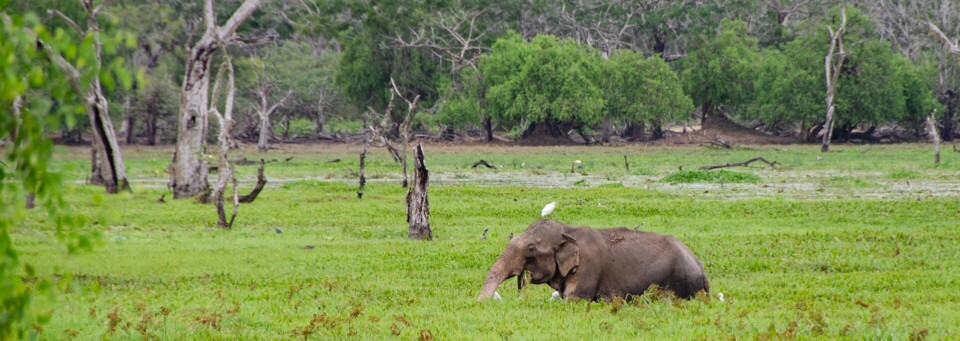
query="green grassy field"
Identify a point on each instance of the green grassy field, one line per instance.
(799, 251)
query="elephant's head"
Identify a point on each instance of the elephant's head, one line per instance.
(544, 249)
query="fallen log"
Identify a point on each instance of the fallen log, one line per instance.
(717, 142)
(773, 164)
(484, 163)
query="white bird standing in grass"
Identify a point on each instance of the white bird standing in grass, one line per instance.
(548, 209)
(555, 295)
(496, 296)
(720, 296)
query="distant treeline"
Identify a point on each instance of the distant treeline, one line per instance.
(596, 68)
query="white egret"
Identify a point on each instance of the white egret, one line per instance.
(548, 209)
(720, 296)
(555, 295)
(496, 296)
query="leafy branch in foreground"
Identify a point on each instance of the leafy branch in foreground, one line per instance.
(26, 155)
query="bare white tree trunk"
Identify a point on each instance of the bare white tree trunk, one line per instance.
(189, 172)
(264, 112)
(934, 136)
(225, 170)
(832, 70)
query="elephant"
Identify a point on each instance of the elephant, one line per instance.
(594, 264)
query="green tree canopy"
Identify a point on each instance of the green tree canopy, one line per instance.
(547, 81)
(643, 90)
(876, 84)
(720, 74)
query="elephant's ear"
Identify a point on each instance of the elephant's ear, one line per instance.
(568, 255)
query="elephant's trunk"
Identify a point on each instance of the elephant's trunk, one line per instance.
(508, 265)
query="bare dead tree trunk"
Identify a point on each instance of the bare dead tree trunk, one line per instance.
(363, 179)
(225, 169)
(151, 127)
(321, 116)
(263, 92)
(948, 122)
(607, 127)
(832, 73)
(418, 202)
(96, 177)
(488, 128)
(189, 175)
(261, 181)
(934, 136)
(405, 129)
(107, 158)
(131, 128)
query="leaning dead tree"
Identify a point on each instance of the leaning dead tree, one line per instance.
(934, 136)
(951, 46)
(188, 176)
(832, 69)
(418, 203)
(106, 160)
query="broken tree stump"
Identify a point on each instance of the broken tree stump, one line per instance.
(741, 164)
(363, 179)
(418, 203)
(484, 163)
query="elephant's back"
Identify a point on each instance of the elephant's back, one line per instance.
(644, 258)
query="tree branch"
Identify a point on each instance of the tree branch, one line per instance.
(104, 4)
(773, 164)
(238, 17)
(951, 46)
(70, 22)
(251, 41)
(280, 103)
(209, 19)
(68, 69)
